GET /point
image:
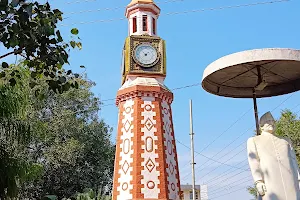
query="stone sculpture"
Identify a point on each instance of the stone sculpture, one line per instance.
(273, 163)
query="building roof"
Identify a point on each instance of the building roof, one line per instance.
(189, 187)
(140, 1)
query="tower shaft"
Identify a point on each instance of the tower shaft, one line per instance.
(146, 165)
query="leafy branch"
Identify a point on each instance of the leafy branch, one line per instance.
(30, 29)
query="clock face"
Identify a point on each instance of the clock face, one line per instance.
(145, 55)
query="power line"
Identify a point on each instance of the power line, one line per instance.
(228, 178)
(228, 184)
(232, 177)
(212, 158)
(227, 153)
(223, 150)
(219, 137)
(225, 187)
(220, 165)
(228, 193)
(225, 130)
(250, 127)
(230, 187)
(173, 89)
(245, 160)
(183, 12)
(106, 105)
(224, 173)
(79, 1)
(224, 154)
(115, 8)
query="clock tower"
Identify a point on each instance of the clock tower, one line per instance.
(146, 165)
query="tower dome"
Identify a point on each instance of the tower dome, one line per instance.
(142, 16)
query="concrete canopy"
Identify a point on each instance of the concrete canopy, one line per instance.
(236, 75)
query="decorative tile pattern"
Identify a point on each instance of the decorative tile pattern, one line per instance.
(171, 157)
(125, 176)
(150, 174)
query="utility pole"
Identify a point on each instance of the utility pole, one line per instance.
(192, 150)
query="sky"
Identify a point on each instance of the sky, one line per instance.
(194, 40)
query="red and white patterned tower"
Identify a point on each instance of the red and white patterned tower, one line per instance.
(146, 165)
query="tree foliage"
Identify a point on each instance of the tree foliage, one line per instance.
(51, 141)
(289, 126)
(252, 191)
(14, 136)
(69, 142)
(29, 29)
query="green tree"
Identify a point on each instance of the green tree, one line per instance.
(69, 148)
(252, 191)
(289, 126)
(70, 142)
(29, 29)
(14, 136)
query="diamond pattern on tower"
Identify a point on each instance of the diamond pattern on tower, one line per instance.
(149, 124)
(125, 167)
(171, 168)
(150, 165)
(127, 126)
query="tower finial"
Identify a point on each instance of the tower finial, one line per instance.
(140, 1)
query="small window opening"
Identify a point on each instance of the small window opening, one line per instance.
(145, 27)
(196, 195)
(154, 25)
(134, 28)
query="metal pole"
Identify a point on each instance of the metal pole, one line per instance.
(255, 112)
(192, 150)
(259, 80)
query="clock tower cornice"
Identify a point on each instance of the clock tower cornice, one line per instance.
(147, 7)
(142, 7)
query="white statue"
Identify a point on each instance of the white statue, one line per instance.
(273, 163)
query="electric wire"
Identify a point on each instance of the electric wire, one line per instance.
(227, 193)
(212, 158)
(226, 153)
(183, 12)
(173, 89)
(79, 1)
(249, 128)
(221, 165)
(230, 185)
(225, 130)
(113, 104)
(246, 159)
(114, 8)
(221, 151)
(225, 173)
(228, 178)
(276, 107)
(235, 122)
(216, 191)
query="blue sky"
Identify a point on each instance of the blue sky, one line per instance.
(194, 40)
